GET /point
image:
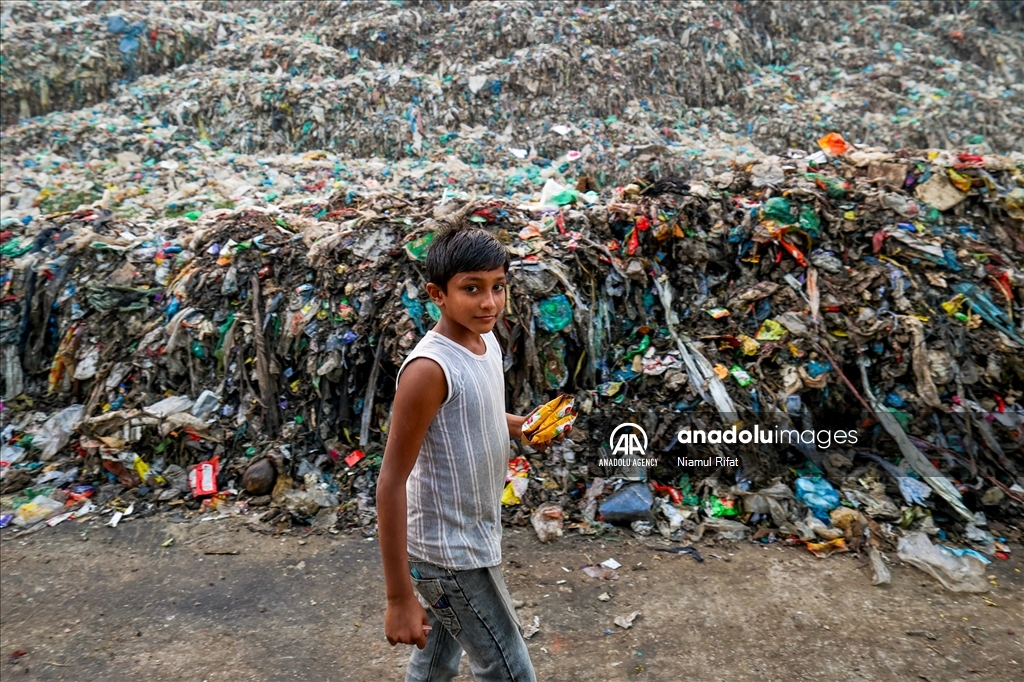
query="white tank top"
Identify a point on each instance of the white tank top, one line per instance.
(454, 490)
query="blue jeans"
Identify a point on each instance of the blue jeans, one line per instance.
(472, 611)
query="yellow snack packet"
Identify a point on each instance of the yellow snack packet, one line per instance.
(549, 420)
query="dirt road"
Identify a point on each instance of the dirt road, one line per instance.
(88, 602)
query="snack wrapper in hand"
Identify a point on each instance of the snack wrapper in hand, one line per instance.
(550, 420)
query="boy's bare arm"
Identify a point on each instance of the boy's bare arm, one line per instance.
(420, 393)
(515, 426)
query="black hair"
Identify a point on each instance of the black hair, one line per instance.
(463, 249)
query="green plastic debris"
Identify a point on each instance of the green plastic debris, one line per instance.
(836, 189)
(686, 489)
(64, 202)
(554, 314)
(433, 311)
(808, 470)
(12, 249)
(568, 196)
(740, 375)
(221, 334)
(929, 214)
(29, 494)
(770, 330)
(417, 248)
(414, 308)
(809, 221)
(903, 417)
(555, 194)
(193, 215)
(553, 355)
(718, 508)
(645, 343)
(778, 209)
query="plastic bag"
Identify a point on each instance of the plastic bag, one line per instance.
(169, 406)
(554, 194)
(631, 503)
(880, 572)
(818, 495)
(728, 530)
(206, 403)
(259, 477)
(39, 509)
(547, 521)
(307, 503)
(821, 530)
(769, 500)
(674, 516)
(517, 481)
(718, 508)
(554, 314)
(724, 525)
(778, 209)
(834, 144)
(958, 574)
(10, 454)
(57, 430)
(823, 550)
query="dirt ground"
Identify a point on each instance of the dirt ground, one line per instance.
(89, 602)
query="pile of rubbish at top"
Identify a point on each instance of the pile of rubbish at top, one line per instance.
(66, 55)
(244, 357)
(488, 83)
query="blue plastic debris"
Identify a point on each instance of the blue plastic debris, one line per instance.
(555, 313)
(815, 368)
(631, 503)
(894, 400)
(818, 495)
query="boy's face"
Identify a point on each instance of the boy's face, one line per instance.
(474, 300)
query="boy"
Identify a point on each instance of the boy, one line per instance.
(439, 490)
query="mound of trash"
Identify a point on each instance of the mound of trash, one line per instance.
(776, 247)
(255, 349)
(376, 79)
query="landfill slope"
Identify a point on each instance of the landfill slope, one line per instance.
(898, 74)
(213, 270)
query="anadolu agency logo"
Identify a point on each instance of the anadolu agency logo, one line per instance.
(629, 447)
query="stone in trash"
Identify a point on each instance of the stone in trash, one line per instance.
(259, 478)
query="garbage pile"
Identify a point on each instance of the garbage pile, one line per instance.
(724, 233)
(244, 357)
(492, 98)
(147, 169)
(396, 82)
(59, 57)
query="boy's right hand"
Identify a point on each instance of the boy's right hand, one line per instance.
(405, 622)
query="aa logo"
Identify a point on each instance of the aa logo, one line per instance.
(626, 440)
